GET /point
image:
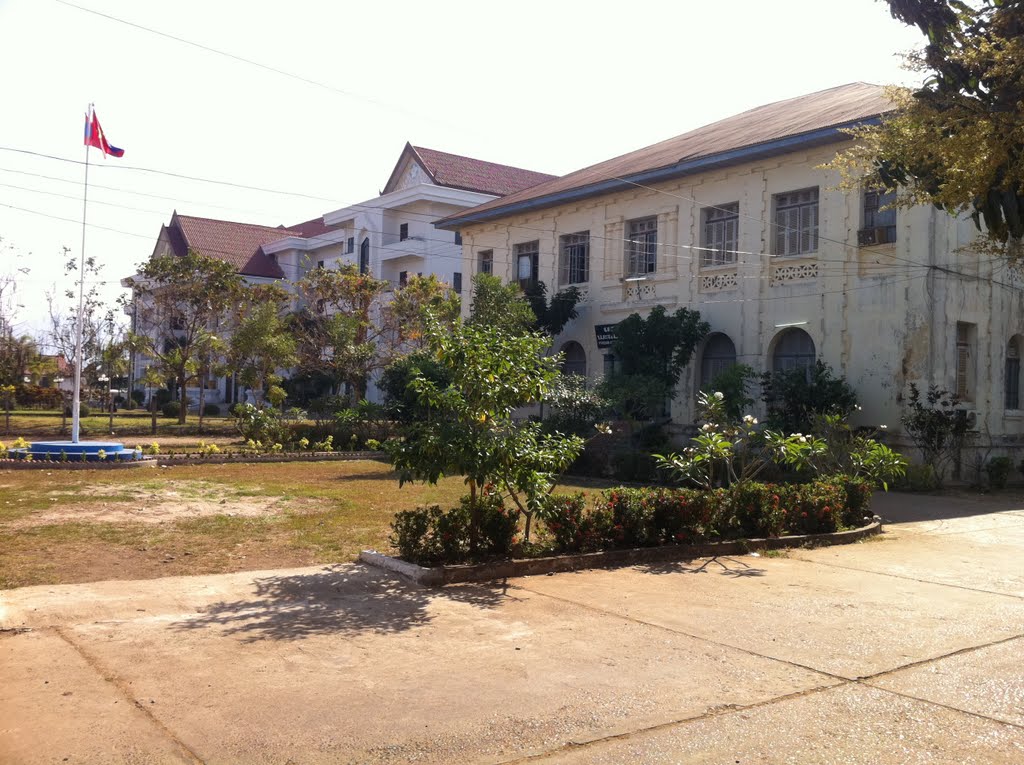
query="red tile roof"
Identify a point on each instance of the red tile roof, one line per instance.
(827, 108)
(237, 243)
(470, 174)
(310, 228)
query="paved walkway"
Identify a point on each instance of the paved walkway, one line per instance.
(904, 649)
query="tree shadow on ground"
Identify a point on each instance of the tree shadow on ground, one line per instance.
(376, 475)
(337, 600)
(721, 564)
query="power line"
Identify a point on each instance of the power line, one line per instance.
(260, 65)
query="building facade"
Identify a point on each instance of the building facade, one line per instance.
(740, 221)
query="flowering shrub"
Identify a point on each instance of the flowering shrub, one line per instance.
(684, 516)
(632, 517)
(572, 527)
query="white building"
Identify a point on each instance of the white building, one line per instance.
(390, 236)
(739, 221)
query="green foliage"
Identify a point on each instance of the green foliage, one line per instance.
(262, 425)
(552, 316)
(211, 410)
(500, 306)
(261, 340)
(937, 426)
(957, 140)
(575, 407)
(734, 383)
(401, 401)
(795, 396)
(469, 429)
(921, 478)
(171, 409)
(651, 353)
(432, 535)
(572, 527)
(406, 314)
(998, 470)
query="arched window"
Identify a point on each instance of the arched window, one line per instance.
(574, 359)
(794, 349)
(719, 354)
(1012, 381)
(364, 256)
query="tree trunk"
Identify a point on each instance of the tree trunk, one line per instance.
(202, 401)
(152, 412)
(183, 399)
(474, 520)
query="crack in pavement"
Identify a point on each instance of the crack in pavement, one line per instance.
(864, 680)
(904, 576)
(188, 755)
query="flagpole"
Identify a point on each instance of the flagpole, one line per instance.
(77, 398)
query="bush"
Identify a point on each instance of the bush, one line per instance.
(757, 510)
(938, 427)
(432, 535)
(263, 425)
(571, 526)
(171, 409)
(998, 469)
(162, 396)
(211, 410)
(793, 397)
(632, 515)
(83, 410)
(138, 396)
(858, 501)
(684, 516)
(921, 478)
(814, 508)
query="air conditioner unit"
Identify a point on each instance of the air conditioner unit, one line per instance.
(866, 237)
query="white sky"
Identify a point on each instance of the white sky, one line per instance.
(550, 86)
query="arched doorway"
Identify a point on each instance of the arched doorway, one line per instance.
(719, 354)
(794, 349)
(574, 359)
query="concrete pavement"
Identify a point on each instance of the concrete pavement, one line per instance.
(901, 650)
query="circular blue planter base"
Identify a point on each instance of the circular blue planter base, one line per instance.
(83, 451)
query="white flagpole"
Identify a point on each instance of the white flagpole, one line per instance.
(77, 398)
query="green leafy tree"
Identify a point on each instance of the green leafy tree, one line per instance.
(468, 429)
(502, 306)
(337, 332)
(937, 426)
(796, 396)
(734, 385)
(957, 141)
(178, 302)
(261, 341)
(651, 354)
(406, 315)
(552, 315)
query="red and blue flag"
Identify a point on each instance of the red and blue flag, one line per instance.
(95, 137)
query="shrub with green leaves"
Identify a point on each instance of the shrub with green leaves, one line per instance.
(998, 470)
(937, 426)
(794, 396)
(263, 425)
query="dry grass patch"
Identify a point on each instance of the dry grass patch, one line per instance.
(64, 527)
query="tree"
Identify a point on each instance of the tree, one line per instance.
(956, 142)
(178, 303)
(468, 429)
(97, 319)
(261, 340)
(650, 355)
(552, 316)
(336, 331)
(406, 315)
(501, 306)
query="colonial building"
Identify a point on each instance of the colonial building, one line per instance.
(390, 236)
(740, 221)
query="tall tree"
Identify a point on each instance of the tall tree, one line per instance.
(501, 306)
(406, 315)
(957, 141)
(261, 340)
(650, 355)
(337, 330)
(179, 302)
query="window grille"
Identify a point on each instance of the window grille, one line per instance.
(527, 263)
(485, 262)
(1013, 375)
(796, 222)
(721, 234)
(642, 247)
(574, 258)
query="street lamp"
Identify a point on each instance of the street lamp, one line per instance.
(110, 403)
(59, 381)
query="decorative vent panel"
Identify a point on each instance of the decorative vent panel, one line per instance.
(716, 282)
(796, 272)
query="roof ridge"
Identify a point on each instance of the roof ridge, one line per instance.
(418, 149)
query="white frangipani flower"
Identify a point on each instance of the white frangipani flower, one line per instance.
(719, 395)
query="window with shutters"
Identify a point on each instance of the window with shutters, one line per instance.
(719, 355)
(720, 234)
(485, 262)
(403, 232)
(965, 338)
(796, 222)
(527, 256)
(458, 237)
(457, 282)
(574, 258)
(641, 247)
(1012, 381)
(350, 245)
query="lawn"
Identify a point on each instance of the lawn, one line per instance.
(63, 527)
(132, 427)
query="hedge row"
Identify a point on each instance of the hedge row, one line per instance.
(641, 517)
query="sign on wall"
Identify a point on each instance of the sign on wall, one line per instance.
(605, 334)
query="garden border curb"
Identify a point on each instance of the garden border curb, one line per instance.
(170, 460)
(439, 576)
